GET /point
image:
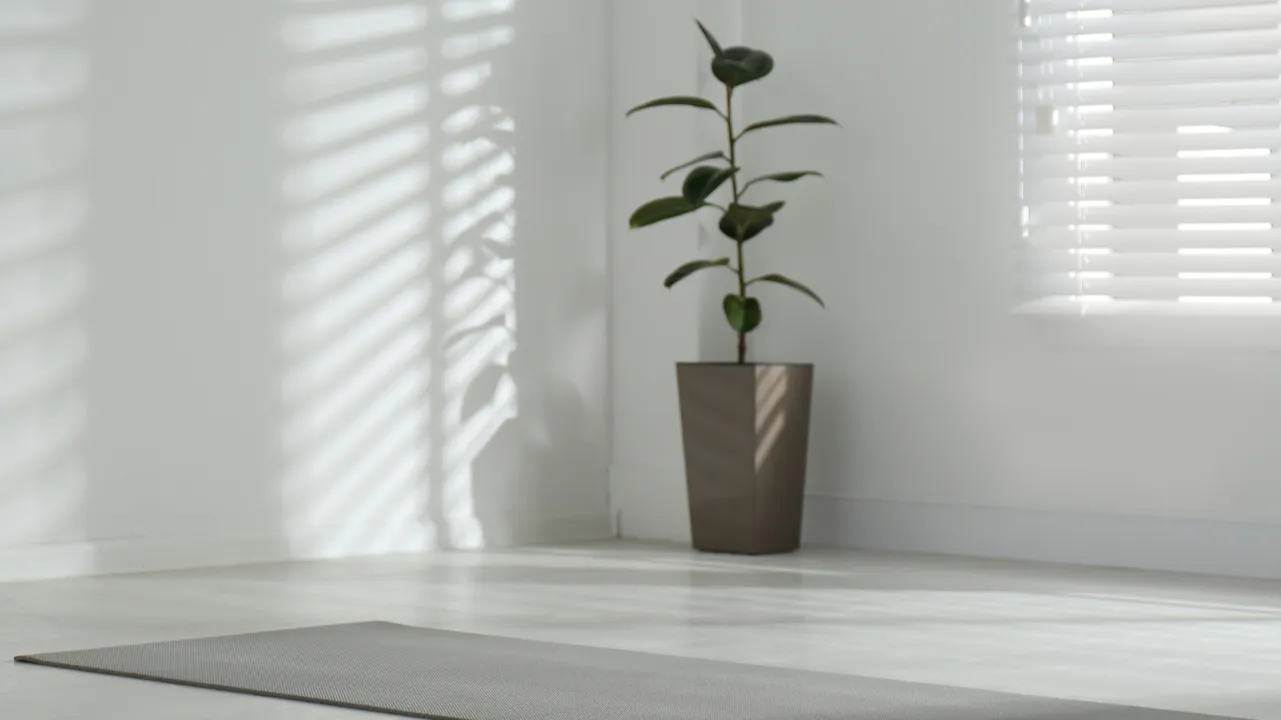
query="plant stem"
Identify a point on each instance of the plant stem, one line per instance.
(733, 163)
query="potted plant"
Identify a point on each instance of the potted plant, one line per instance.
(745, 426)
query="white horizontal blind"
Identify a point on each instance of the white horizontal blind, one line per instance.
(1151, 151)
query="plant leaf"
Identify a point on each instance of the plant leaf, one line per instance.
(744, 222)
(656, 211)
(718, 155)
(790, 120)
(774, 207)
(785, 177)
(743, 314)
(690, 268)
(685, 100)
(704, 180)
(784, 280)
(735, 310)
(741, 65)
(711, 41)
(754, 315)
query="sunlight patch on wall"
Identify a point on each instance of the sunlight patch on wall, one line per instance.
(398, 290)
(479, 388)
(355, 338)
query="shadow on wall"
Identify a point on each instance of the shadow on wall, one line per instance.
(400, 322)
(544, 477)
(287, 323)
(43, 278)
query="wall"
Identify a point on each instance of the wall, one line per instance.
(299, 278)
(657, 52)
(943, 422)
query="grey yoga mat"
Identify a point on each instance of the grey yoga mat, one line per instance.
(422, 673)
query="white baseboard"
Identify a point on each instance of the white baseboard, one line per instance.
(1181, 545)
(153, 554)
(571, 529)
(110, 557)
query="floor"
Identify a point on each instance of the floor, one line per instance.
(1183, 643)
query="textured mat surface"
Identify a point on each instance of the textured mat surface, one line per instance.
(421, 673)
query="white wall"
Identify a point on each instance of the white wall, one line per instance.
(242, 246)
(943, 423)
(657, 52)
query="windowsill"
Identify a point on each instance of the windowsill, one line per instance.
(1154, 325)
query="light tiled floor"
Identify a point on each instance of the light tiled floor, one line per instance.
(1203, 644)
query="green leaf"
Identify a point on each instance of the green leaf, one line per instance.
(785, 177)
(774, 207)
(711, 41)
(656, 211)
(754, 315)
(718, 155)
(784, 280)
(704, 180)
(743, 314)
(685, 100)
(790, 120)
(741, 65)
(744, 222)
(690, 268)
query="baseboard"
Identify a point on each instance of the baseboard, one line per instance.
(153, 554)
(1215, 547)
(579, 528)
(570, 529)
(110, 557)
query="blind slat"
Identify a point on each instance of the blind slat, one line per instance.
(1198, 20)
(1154, 264)
(1043, 8)
(1139, 119)
(1151, 144)
(1152, 216)
(1151, 168)
(1052, 192)
(1158, 288)
(1170, 94)
(1194, 70)
(1248, 42)
(1151, 240)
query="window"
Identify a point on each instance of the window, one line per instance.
(1151, 173)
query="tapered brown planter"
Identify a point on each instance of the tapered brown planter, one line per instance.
(746, 435)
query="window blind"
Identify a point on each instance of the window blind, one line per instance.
(1150, 132)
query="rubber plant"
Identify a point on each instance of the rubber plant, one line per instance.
(708, 174)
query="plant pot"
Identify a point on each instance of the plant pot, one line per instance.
(746, 435)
